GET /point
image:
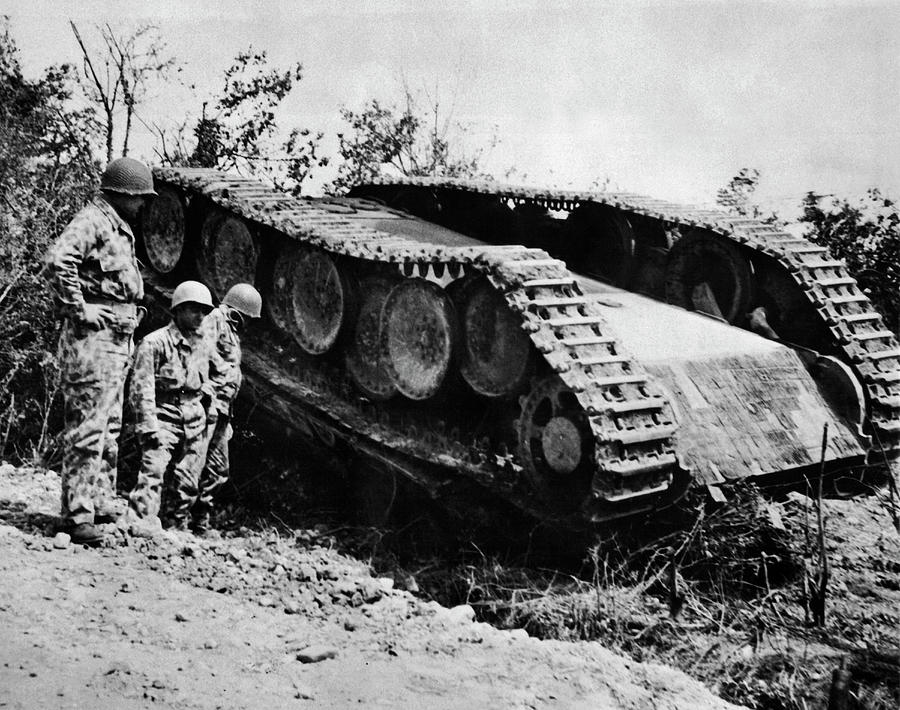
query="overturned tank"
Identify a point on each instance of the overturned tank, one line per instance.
(466, 335)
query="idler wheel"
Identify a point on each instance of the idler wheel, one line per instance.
(279, 299)
(162, 228)
(234, 255)
(364, 360)
(555, 443)
(496, 357)
(702, 267)
(320, 301)
(418, 334)
(606, 243)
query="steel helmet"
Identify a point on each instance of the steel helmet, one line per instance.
(244, 299)
(191, 292)
(127, 176)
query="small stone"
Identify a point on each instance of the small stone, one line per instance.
(291, 607)
(61, 540)
(307, 573)
(303, 692)
(347, 588)
(211, 644)
(349, 625)
(314, 654)
(461, 614)
(266, 600)
(180, 617)
(370, 590)
(125, 588)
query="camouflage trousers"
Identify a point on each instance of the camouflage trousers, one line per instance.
(94, 364)
(173, 462)
(214, 473)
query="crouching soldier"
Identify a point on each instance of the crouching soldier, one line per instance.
(94, 274)
(171, 396)
(221, 329)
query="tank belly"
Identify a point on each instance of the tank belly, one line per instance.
(745, 416)
(746, 406)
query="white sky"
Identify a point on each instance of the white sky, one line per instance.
(665, 98)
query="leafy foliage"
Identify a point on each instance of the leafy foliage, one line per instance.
(412, 141)
(239, 130)
(737, 196)
(47, 172)
(866, 235)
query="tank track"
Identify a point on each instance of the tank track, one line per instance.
(858, 330)
(631, 420)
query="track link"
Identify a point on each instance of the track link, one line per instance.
(858, 330)
(631, 420)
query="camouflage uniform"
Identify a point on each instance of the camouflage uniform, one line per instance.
(170, 395)
(226, 377)
(93, 262)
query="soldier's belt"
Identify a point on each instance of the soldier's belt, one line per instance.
(126, 316)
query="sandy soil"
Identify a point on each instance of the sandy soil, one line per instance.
(186, 623)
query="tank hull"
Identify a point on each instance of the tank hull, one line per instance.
(628, 400)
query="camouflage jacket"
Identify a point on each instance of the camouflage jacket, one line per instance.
(225, 371)
(171, 377)
(94, 259)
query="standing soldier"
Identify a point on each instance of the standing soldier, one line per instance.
(94, 272)
(171, 395)
(220, 329)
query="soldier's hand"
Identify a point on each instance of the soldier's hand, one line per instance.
(97, 316)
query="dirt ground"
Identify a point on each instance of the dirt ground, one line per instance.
(242, 622)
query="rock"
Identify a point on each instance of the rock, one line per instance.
(799, 499)
(462, 614)
(410, 584)
(346, 587)
(291, 607)
(266, 600)
(180, 617)
(349, 625)
(307, 573)
(302, 692)
(61, 540)
(211, 644)
(370, 590)
(386, 584)
(314, 654)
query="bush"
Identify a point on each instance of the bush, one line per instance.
(46, 175)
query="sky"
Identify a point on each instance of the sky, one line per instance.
(669, 99)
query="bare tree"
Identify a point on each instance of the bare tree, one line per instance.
(117, 77)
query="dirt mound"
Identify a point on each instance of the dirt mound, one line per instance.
(266, 619)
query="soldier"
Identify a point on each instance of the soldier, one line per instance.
(171, 395)
(94, 273)
(221, 328)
